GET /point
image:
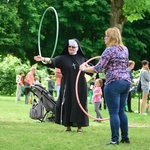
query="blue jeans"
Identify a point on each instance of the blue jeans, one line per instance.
(116, 94)
(57, 88)
(27, 96)
(19, 92)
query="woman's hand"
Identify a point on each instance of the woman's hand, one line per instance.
(83, 66)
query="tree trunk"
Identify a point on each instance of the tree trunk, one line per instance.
(117, 19)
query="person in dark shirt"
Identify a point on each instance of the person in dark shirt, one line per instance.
(131, 66)
(50, 85)
(91, 90)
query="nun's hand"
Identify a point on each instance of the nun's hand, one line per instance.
(38, 58)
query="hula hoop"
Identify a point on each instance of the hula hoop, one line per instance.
(77, 96)
(57, 29)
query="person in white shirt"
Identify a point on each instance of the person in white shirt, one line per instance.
(145, 79)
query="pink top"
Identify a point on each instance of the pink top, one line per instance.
(97, 98)
(30, 78)
(58, 76)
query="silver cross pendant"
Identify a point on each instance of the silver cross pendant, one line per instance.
(74, 65)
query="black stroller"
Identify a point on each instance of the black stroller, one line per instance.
(45, 100)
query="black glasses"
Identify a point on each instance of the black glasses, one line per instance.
(71, 47)
(106, 36)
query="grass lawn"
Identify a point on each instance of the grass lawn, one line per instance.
(19, 132)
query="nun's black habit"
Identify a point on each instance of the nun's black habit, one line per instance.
(68, 112)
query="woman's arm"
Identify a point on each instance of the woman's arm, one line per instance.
(86, 68)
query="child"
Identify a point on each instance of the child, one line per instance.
(37, 80)
(50, 85)
(91, 90)
(97, 94)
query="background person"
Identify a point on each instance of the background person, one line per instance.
(58, 76)
(114, 62)
(91, 90)
(37, 80)
(50, 85)
(97, 97)
(131, 66)
(103, 96)
(145, 79)
(29, 80)
(20, 85)
(68, 112)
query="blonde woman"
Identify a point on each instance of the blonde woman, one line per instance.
(114, 62)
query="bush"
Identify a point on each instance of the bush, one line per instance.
(10, 66)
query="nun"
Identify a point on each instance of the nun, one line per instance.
(68, 112)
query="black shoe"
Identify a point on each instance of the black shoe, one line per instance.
(113, 143)
(131, 111)
(125, 140)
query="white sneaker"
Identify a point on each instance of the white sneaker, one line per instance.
(136, 111)
(145, 114)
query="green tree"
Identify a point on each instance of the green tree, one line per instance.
(132, 18)
(85, 20)
(137, 40)
(10, 67)
(136, 10)
(9, 28)
(127, 10)
(28, 13)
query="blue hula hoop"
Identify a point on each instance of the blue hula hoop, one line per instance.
(57, 30)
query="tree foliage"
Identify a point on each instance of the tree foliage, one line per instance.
(10, 67)
(135, 10)
(84, 20)
(137, 40)
(9, 27)
(132, 18)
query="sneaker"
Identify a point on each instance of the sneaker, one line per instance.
(125, 140)
(145, 114)
(131, 111)
(112, 143)
(136, 111)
